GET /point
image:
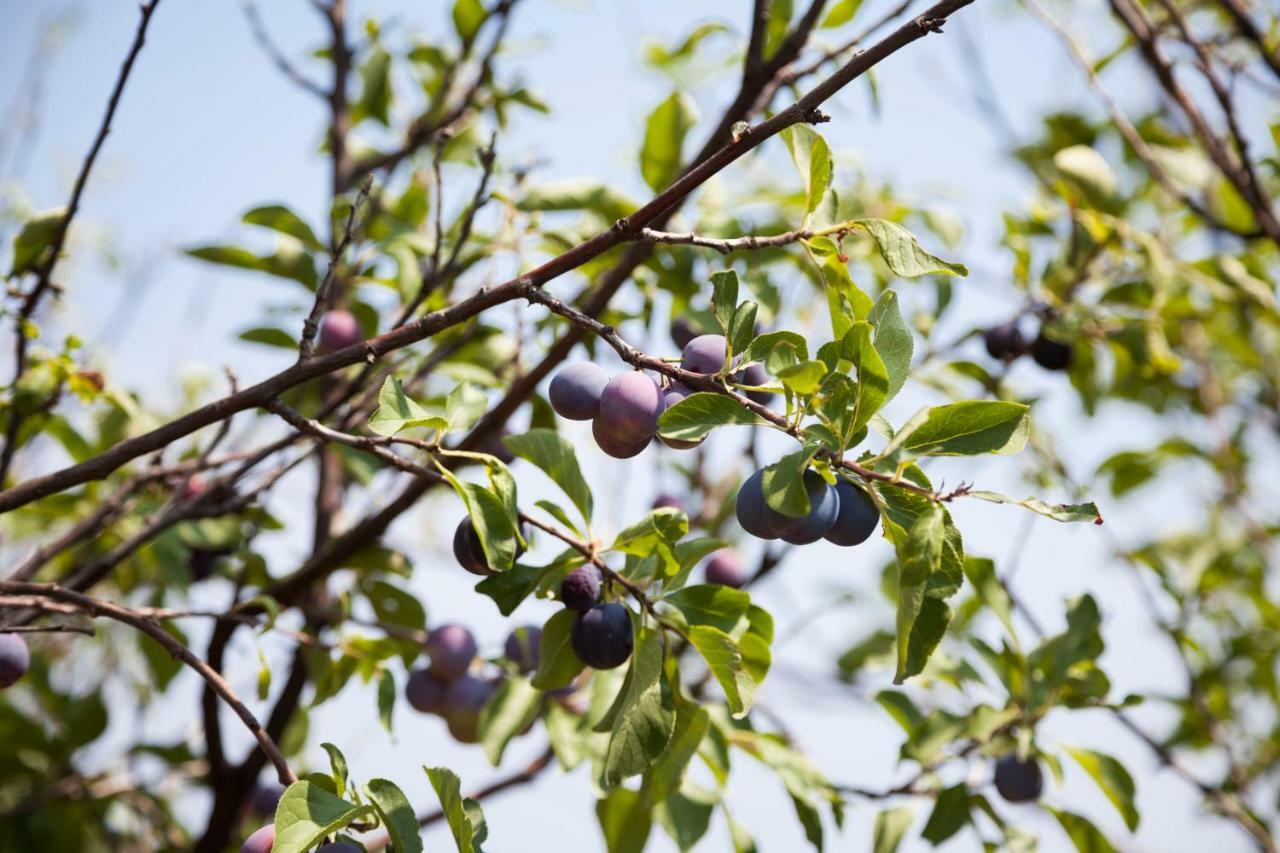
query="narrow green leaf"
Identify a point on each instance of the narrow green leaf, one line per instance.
(1113, 779)
(279, 218)
(33, 241)
(645, 716)
(558, 666)
(1086, 837)
(514, 705)
(964, 429)
(893, 341)
(397, 412)
(724, 297)
(555, 456)
(396, 814)
(665, 130)
(902, 252)
(448, 789)
(950, 814)
(724, 659)
(891, 827)
(1058, 512)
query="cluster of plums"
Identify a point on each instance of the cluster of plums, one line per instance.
(448, 686)
(601, 635)
(1006, 342)
(624, 409)
(842, 514)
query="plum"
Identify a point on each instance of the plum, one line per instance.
(521, 647)
(263, 800)
(463, 701)
(670, 397)
(756, 375)
(1004, 342)
(856, 518)
(704, 354)
(682, 331)
(339, 329)
(575, 390)
(494, 447)
(1019, 781)
(201, 563)
(193, 487)
(1049, 353)
(581, 588)
(261, 841)
(725, 568)
(425, 691)
(615, 447)
(451, 648)
(753, 514)
(812, 526)
(630, 406)
(601, 637)
(15, 659)
(468, 551)
(667, 501)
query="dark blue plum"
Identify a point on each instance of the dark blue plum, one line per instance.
(753, 514)
(425, 691)
(666, 501)
(521, 647)
(725, 568)
(575, 390)
(629, 408)
(261, 841)
(1019, 781)
(263, 800)
(1004, 342)
(1050, 354)
(339, 329)
(857, 517)
(704, 354)
(463, 702)
(468, 551)
(614, 446)
(755, 375)
(451, 649)
(581, 588)
(823, 507)
(15, 659)
(601, 637)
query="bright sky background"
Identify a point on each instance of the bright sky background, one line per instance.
(208, 129)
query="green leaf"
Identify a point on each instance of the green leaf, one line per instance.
(893, 341)
(397, 412)
(686, 816)
(803, 377)
(667, 773)
(724, 659)
(448, 790)
(307, 813)
(558, 666)
(950, 814)
(289, 261)
(964, 429)
(891, 827)
(660, 158)
(698, 414)
(578, 194)
(338, 766)
(270, 337)
(902, 252)
(468, 15)
(841, 13)
(644, 717)
(767, 343)
(1087, 172)
(1114, 781)
(873, 377)
(279, 218)
(981, 572)
(555, 456)
(396, 814)
(710, 604)
(514, 705)
(464, 406)
(846, 302)
(493, 519)
(657, 533)
(625, 819)
(375, 89)
(724, 297)
(743, 327)
(386, 698)
(33, 242)
(812, 156)
(1086, 837)
(918, 558)
(1058, 512)
(783, 484)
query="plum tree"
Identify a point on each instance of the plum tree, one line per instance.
(581, 588)
(856, 516)
(463, 702)
(261, 841)
(601, 637)
(725, 567)
(521, 647)
(339, 329)
(425, 691)
(451, 648)
(752, 512)
(1004, 342)
(614, 446)
(630, 406)
(15, 659)
(1019, 781)
(468, 551)
(704, 354)
(575, 390)
(1050, 353)
(673, 394)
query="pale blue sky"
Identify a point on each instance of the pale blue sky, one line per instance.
(209, 129)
